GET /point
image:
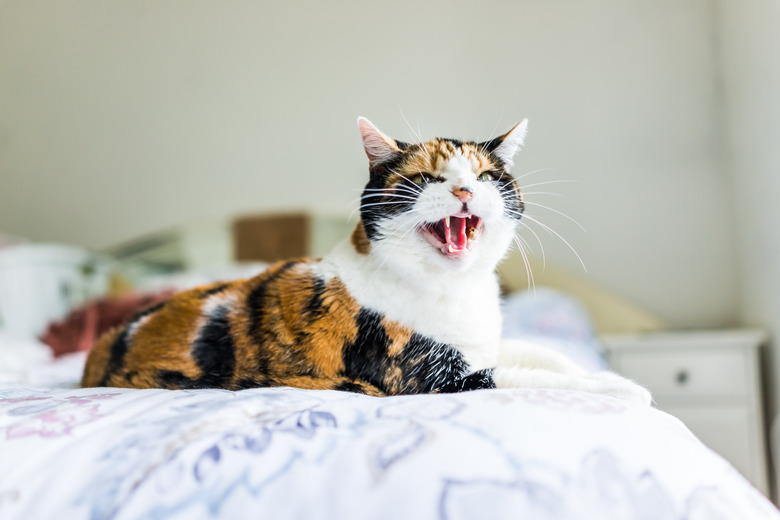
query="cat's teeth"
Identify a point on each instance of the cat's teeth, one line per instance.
(450, 248)
(447, 221)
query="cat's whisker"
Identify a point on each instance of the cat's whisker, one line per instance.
(514, 213)
(400, 191)
(522, 242)
(419, 132)
(555, 211)
(416, 135)
(551, 230)
(505, 186)
(528, 270)
(406, 179)
(375, 204)
(411, 187)
(388, 195)
(492, 132)
(423, 147)
(395, 198)
(550, 193)
(526, 186)
(523, 176)
(519, 240)
(541, 245)
(400, 187)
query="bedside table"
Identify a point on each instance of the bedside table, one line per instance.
(710, 380)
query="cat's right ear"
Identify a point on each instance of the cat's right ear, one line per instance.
(379, 147)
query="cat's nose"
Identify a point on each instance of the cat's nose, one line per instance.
(463, 193)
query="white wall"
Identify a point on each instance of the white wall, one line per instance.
(751, 70)
(121, 118)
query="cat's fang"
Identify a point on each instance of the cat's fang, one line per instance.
(453, 235)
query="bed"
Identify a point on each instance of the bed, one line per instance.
(287, 453)
(102, 453)
(108, 453)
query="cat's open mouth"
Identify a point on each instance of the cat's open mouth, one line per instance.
(453, 235)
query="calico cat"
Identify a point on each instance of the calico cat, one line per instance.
(409, 304)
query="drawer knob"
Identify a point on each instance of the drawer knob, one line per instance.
(682, 377)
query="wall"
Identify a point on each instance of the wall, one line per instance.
(751, 71)
(122, 118)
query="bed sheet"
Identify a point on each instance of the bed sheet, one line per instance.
(282, 453)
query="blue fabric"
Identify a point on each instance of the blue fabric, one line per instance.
(555, 320)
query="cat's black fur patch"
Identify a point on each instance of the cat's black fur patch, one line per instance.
(425, 365)
(117, 356)
(246, 383)
(122, 343)
(431, 365)
(214, 351)
(214, 290)
(475, 381)
(490, 146)
(366, 358)
(348, 386)
(148, 311)
(455, 142)
(176, 379)
(314, 306)
(375, 209)
(513, 201)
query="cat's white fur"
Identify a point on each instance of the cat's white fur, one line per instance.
(456, 300)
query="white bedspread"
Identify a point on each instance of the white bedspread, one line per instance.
(288, 453)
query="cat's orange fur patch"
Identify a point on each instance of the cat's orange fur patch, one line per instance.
(360, 241)
(399, 336)
(97, 362)
(335, 327)
(433, 158)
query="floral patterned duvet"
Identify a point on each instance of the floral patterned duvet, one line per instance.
(283, 453)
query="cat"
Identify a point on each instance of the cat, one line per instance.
(408, 304)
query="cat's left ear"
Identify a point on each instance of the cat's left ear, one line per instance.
(379, 147)
(506, 146)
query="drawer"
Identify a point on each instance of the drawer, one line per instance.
(690, 372)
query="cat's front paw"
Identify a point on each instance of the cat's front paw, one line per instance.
(609, 383)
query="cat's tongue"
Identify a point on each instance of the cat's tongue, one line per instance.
(455, 234)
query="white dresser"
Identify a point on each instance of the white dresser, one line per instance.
(711, 380)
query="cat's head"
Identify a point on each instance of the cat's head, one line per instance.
(443, 203)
